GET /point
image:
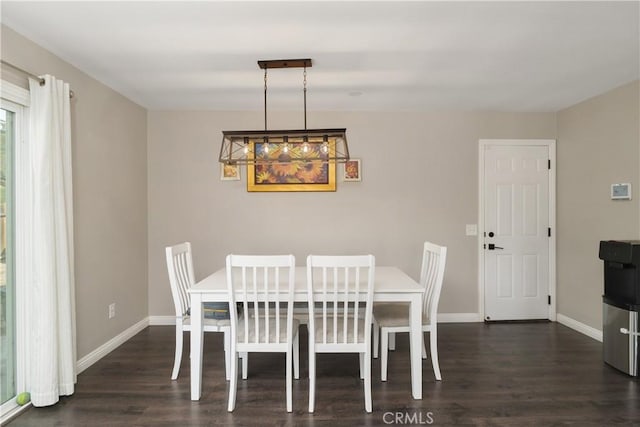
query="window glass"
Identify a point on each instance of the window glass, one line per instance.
(7, 286)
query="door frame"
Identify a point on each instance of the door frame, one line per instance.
(16, 99)
(551, 144)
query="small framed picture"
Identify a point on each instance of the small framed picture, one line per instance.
(229, 172)
(352, 170)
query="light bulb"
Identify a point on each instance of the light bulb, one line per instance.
(266, 148)
(245, 149)
(325, 147)
(285, 148)
(305, 147)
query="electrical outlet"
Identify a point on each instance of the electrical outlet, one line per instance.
(112, 310)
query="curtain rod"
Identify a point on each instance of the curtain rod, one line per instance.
(22, 70)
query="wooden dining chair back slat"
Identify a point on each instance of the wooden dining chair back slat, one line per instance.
(434, 258)
(345, 296)
(181, 277)
(258, 280)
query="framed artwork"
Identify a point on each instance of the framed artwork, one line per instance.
(229, 172)
(352, 170)
(311, 175)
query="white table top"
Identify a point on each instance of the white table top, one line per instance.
(387, 280)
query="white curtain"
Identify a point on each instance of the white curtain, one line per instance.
(48, 210)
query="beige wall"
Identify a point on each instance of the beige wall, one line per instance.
(598, 145)
(110, 196)
(144, 180)
(419, 183)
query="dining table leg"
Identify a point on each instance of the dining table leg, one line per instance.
(196, 346)
(415, 321)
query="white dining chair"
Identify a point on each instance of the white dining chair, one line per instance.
(181, 278)
(391, 318)
(343, 285)
(263, 285)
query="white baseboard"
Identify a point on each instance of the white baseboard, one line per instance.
(162, 320)
(459, 317)
(580, 327)
(110, 345)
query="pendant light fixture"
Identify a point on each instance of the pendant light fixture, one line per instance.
(247, 147)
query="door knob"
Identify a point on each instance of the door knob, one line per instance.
(493, 247)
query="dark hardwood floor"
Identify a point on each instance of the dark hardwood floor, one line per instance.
(521, 374)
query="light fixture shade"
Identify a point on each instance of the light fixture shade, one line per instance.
(268, 146)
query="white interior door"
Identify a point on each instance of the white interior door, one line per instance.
(516, 232)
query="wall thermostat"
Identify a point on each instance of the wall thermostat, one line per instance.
(621, 191)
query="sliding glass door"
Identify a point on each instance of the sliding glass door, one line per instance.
(8, 368)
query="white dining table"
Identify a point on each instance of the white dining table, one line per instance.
(391, 285)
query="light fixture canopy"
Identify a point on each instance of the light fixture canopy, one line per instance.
(284, 146)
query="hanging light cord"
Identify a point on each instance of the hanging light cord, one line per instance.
(304, 83)
(304, 74)
(265, 99)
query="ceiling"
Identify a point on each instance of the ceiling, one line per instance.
(498, 56)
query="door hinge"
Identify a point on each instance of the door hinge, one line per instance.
(549, 164)
(549, 299)
(549, 231)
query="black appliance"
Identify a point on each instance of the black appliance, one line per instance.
(621, 304)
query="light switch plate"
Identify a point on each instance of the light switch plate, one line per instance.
(472, 229)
